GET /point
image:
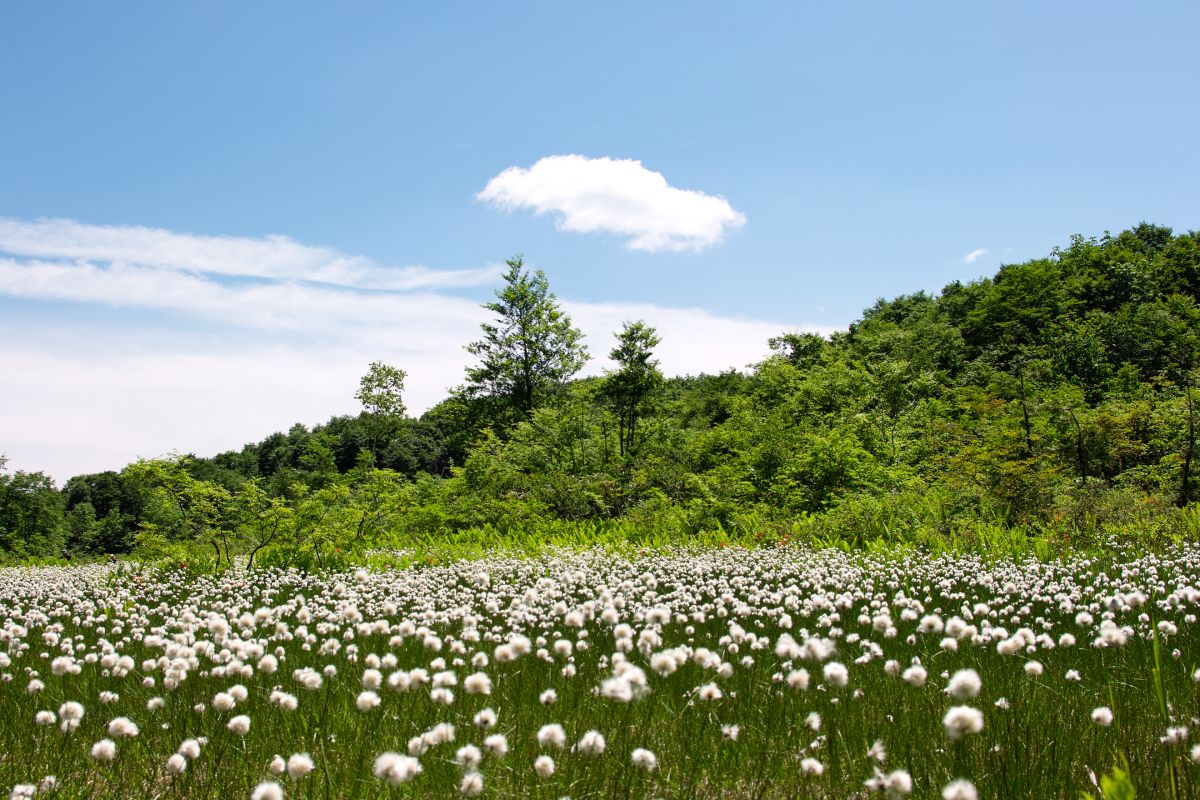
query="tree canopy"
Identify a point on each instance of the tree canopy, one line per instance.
(528, 351)
(1056, 398)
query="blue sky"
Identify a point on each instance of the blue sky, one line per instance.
(212, 216)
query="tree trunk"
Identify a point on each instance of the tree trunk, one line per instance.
(1079, 451)
(1025, 415)
(1185, 492)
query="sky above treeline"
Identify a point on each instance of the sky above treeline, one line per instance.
(214, 215)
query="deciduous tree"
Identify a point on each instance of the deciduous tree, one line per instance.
(528, 352)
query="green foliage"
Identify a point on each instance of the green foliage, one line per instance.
(528, 352)
(381, 390)
(31, 515)
(1117, 786)
(632, 387)
(1053, 404)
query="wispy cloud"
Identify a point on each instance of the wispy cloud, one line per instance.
(265, 346)
(277, 257)
(618, 196)
(974, 255)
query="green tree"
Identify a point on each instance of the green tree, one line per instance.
(181, 508)
(31, 515)
(631, 388)
(528, 352)
(381, 392)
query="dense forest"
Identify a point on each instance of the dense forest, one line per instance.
(1055, 398)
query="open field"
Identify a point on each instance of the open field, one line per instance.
(730, 673)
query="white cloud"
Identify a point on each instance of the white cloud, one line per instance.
(620, 196)
(972, 256)
(275, 257)
(87, 395)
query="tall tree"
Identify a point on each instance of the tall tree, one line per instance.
(529, 351)
(631, 387)
(381, 392)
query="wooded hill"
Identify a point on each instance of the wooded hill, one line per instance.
(1056, 398)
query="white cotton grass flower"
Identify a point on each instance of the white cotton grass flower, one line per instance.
(123, 726)
(496, 744)
(468, 757)
(836, 674)
(548, 697)
(190, 749)
(104, 750)
(960, 720)
(267, 790)
(70, 713)
(1102, 716)
(798, 679)
(299, 765)
(543, 766)
(471, 785)
(592, 743)
(552, 735)
(1034, 668)
(916, 675)
(277, 766)
(366, 701)
(1174, 735)
(812, 767)
(897, 783)
(22, 791)
(176, 764)
(396, 768)
(286, 701)
(478, 683)
(223, 701)
(442, 733)
(964, 685)
(664, 663)
(644, 759)
(44, 719)
(485, 718)
(731, 732)
(240, 725)
(960, 789)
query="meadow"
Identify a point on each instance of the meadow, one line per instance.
(770, 672)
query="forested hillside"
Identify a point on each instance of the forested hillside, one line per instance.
(1056, 398)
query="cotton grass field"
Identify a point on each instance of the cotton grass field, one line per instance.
(715, 673)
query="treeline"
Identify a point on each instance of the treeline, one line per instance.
(1056, 397)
